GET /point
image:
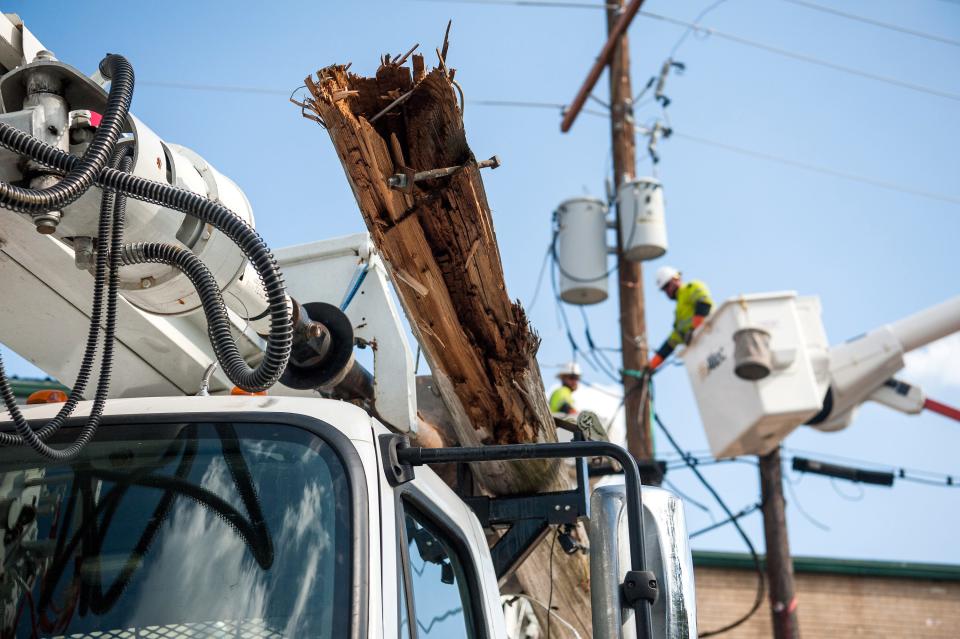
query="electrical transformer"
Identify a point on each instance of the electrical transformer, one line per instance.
(580, 249)
(643, 228)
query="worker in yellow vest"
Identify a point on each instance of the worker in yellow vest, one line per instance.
(561, 400)
(693, 306)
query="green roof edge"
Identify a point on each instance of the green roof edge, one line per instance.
(23, 387)
(830, 566)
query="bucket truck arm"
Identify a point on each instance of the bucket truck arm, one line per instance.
(162, 344)
(862, 369)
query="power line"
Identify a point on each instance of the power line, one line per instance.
(926, 477)
(802, 56)
(216, 88)
(734, 519)
(527, 104)
(695, 27)
(696, 22)
(930, 477)
(530, 3)
(853, 177)
(588, 356)
(226, 88)
(891, 186)
(876, 23)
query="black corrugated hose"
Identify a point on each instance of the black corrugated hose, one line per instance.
(77, 179)
(86, 169)
(112, 218)
(218, 322)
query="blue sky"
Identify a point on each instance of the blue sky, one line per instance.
(741, 223)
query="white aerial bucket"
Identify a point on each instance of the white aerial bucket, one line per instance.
(751, 398)
(643, 228)
(581, 250)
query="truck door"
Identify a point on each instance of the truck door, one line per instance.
(443, 585)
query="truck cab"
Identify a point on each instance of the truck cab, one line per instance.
(237, 516)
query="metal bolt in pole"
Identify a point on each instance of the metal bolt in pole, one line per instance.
(403, 182)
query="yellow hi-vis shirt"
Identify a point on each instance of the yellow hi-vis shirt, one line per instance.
(687, 298)
(561, 401)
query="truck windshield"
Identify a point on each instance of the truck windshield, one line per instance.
(178, 530)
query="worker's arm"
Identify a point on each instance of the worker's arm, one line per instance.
(664, 351)
(702, 303)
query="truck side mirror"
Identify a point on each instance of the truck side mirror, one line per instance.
(667, 555)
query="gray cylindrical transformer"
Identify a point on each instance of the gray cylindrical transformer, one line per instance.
(581, 250)
(643, 228)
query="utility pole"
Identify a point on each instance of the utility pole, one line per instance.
(783, 599)
(633, 326)
(615, 54)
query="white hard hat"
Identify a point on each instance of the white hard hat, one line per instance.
(665, 274)
(570, 368)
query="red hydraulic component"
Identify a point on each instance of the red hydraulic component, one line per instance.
(942, 409)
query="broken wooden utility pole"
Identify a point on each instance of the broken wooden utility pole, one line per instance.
(401, 140)
(783, 599)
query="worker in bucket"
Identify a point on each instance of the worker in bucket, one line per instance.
(693, 306)
(561, 400)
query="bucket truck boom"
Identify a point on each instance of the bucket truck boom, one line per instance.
(862, 369)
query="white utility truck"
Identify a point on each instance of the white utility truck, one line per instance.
(155, 503)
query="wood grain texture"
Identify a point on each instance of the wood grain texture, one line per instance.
(441, 249)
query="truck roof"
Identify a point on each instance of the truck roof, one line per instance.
(345, 417)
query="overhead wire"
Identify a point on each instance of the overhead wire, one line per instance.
(802, 57)
(787, 161)
(552, 4)
(761, 581)
(532, 104)
(574, 345)
(553, 544)
(844, 496)
(883, 184)
(687, 499)
(693, 27)
(536, 290)
(219, 88)
(921, 476)
(729, 520)
(548, 610)
(795, 502)
(594, 350)
(871, 21)
(705, 459)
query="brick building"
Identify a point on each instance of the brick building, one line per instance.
(837, 598)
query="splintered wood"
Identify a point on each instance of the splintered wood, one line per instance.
(437, 236)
